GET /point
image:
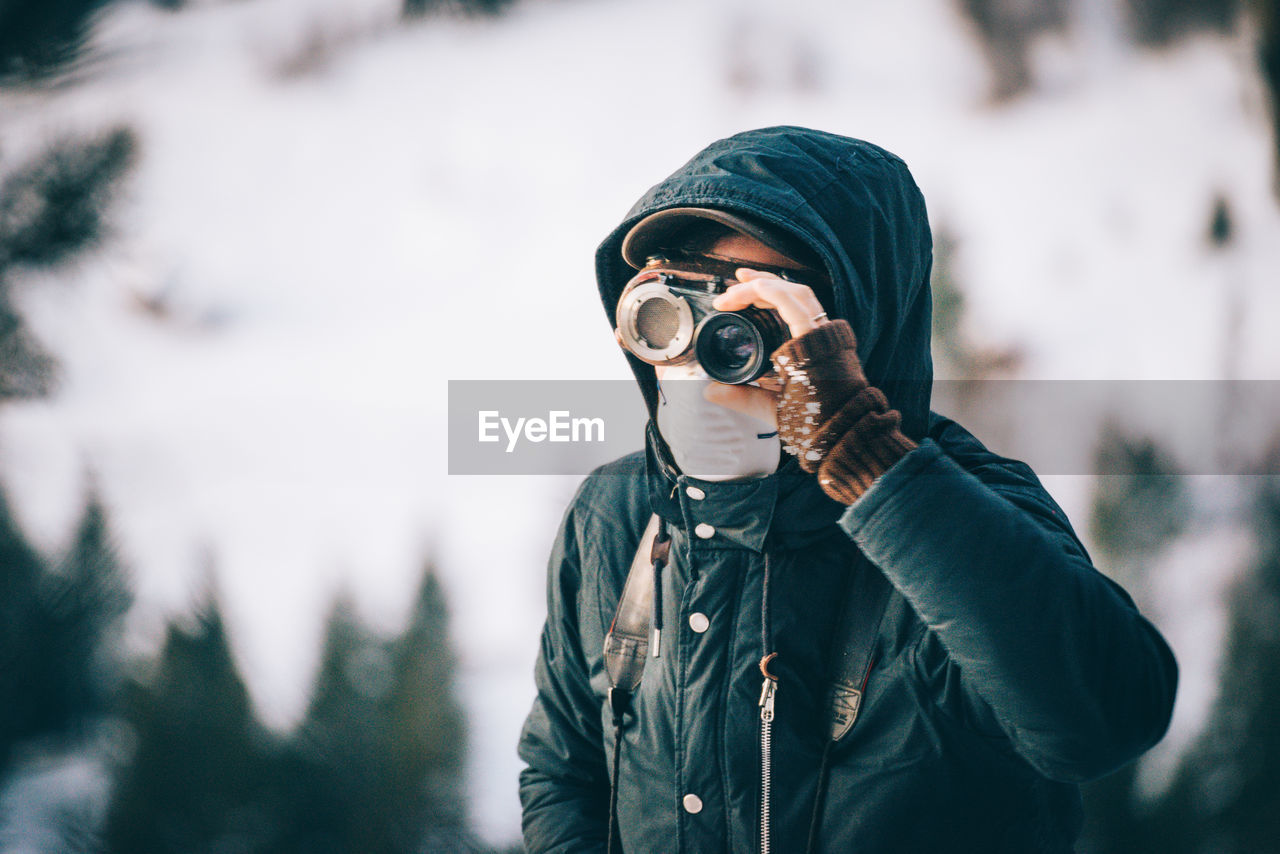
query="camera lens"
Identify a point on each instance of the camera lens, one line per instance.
(731, 346)
(734, 347)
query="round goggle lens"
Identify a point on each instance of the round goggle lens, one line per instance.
(657, 322)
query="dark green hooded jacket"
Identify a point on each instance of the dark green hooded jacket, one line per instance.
(1006, 668)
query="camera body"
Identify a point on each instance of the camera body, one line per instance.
(665, 317)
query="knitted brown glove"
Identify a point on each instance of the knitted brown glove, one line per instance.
(838, 424)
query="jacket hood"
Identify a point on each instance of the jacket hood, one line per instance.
(858, 208)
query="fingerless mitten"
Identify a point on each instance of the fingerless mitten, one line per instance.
(839, 426)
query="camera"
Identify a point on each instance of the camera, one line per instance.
(665, 318)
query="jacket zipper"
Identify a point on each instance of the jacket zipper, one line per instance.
(767, 692)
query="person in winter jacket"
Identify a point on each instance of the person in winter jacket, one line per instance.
(885, 638)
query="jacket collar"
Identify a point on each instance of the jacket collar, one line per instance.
(786, 508)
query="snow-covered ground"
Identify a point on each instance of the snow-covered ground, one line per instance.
(340, 215)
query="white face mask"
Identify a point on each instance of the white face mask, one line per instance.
(707, 440)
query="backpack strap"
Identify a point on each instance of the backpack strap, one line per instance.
(627, 644)
(863, 611)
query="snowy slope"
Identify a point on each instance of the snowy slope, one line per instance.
(339, 215)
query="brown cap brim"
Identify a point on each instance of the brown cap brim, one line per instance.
(661, 231)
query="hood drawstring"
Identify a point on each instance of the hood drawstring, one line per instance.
(661, 549)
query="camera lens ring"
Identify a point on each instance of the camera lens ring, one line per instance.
(731, 348)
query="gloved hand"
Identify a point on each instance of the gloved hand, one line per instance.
(830, 417)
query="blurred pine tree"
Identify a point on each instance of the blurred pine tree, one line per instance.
(56, 205)
(85, 601)
(1140, 505)
(383, 743)
(376, 767)
(21, 581)
(58, 669)
(52, 209)
(201, 766)
(338, 751)
(1229, 781)
(428, 726)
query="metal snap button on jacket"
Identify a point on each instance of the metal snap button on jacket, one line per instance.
(692, 804)
(695, 493)
(698, 622)
(704, 531)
